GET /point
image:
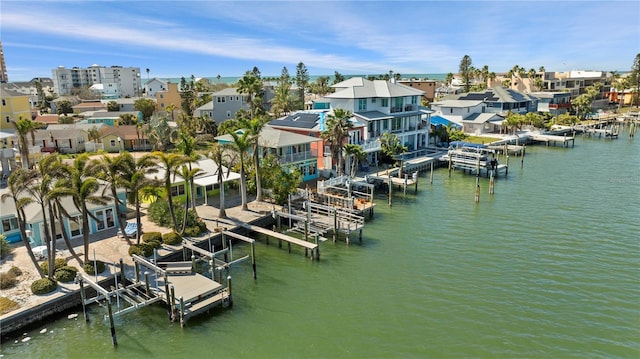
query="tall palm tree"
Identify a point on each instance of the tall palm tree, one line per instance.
(25, 126)
(355, 154)
(392, 147)
(18, 180)
(187, 147)
(170, 162)
(84, 190)
(216, 154)
(251, 86)
(111, 170)
(337, 130)
(47, 173)
(188, 174)
(135, 178)
(255, 126)
(241, 144)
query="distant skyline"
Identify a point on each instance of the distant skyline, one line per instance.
(207, 38)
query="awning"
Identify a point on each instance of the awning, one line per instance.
(438, 120)
(213, 179)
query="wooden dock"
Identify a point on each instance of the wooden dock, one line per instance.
(308, 246)
(553, 139)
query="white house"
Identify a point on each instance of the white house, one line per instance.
(384, 106)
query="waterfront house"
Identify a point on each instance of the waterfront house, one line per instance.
(484, 111)
(103, 218)
(293, 150)
(384, 106)
(555, 103)
(206, 181)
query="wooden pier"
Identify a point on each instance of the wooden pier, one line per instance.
(553, 139)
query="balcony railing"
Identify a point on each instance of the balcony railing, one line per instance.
(297, 157)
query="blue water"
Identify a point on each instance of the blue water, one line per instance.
(547, 267)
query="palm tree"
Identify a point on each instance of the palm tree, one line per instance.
(250, 85)
(17, 183)
(254, 127)
(170, 162)
(39, 189)
(135, 179)
(216, 155)
(354, 153)
(83, 189)
(241, 144)
(188, 174)
(25, 126)
(392, 147)
(338, 126)
(170, 108)
(187, 146)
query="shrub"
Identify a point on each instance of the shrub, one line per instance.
(171, 238)
(43, 286)
(5, 247)
(16, 271)
(142, 249)
(88, 267)
(59, 263)
(7, 305)
(65, 274)
(7, 280)
(152, 236)
(154, 244)
(192, 231)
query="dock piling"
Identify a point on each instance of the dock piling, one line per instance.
(83, 296)
(111, 324)
(229, 289)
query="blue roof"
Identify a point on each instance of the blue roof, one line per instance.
(438, 120)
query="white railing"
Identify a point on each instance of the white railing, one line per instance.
(296, 157)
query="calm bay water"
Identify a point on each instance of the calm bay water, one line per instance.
(548, 267)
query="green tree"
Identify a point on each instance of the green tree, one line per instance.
(170, 163)
(254, 127)
(337, 129)
(513, 121)
(188, 173)
(337, 77)
(83, 189)
(147, 106)
(112, 106)
(281, 103)
(112, 170)
(17, 184)
(302, 81)
(135, 178)
(159, 133)
(64, 107)
(282, 181)
(127, 119)
(583, 104)
(216, 154)
(392, 147)
(634, 79)
(241, 143)
(250, 85)
(466, 73)
(355, 154)
(24, 127)
(449, 79)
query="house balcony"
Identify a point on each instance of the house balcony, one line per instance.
(298, 157)
(371, 145)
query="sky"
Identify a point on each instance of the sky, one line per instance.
(227, 38)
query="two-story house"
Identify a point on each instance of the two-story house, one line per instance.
(14, 105)
(484, 111)
(293, 150)
(384, 106)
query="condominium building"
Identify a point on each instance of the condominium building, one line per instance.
(3, 67)
(127, 79)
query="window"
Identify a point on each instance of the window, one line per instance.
(362, 104)
(161, 95)
(396, 124)
(384, 102)
(4, 102)
(9, 224)
(228, 114)
(414, 100)
(74, 226)
(7, 119)
(112, 143)
(373, 100)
